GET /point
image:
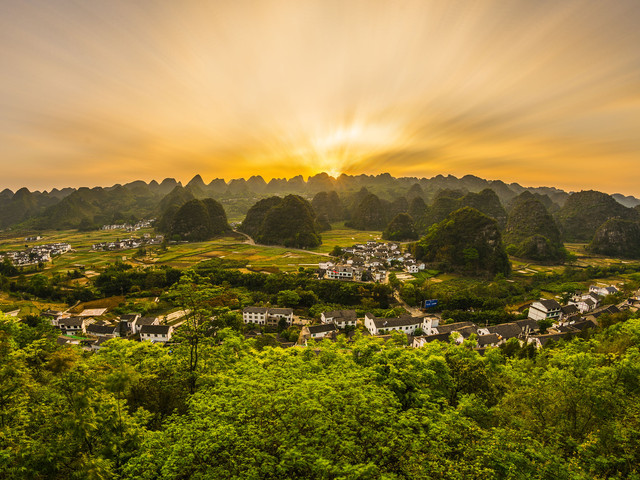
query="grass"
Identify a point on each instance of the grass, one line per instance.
(345, 237)
(182, 255)
(27, 307)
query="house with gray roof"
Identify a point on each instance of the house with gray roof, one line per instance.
(156, 333)
(340, 318)
(405, 324)
(545, 309)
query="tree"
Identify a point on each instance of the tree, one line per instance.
(288, 298)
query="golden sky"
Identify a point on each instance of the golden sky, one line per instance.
(538, 92)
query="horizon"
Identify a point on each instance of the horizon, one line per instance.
(534, 93)
(185, 181)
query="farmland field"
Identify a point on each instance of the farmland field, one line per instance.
(345, 237)
(181, 255)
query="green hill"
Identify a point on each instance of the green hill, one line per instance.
(617, 238)
(329, 205)
(401, 228)
(256, 214)
(585, 211)
(488, 202)
(531, 231)
(466, 240)
(169, 205)
(291, 223)
(449, 200)
(369, 214)
(199, 220)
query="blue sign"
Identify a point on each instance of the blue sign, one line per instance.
(430, 303)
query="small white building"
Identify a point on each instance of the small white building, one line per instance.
(316, 332)
(142, 322)
(102, 330)
(380, 326)
(585, 303)
(545, 309)
(156, 333)
(274, 315)
(603, 291)
(126, 323)
(411, 268)
(72, 325)
(340, 272)
(340, 318)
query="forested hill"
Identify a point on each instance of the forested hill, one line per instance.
(69, 208)
(359, 409)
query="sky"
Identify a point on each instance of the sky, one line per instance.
(535, 92)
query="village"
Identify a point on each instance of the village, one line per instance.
(128, 243)
(547, 321)
(369, 262)
(130, 227)
(37, 254)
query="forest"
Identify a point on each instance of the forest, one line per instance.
(356, 408)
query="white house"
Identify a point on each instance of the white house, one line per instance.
(340, 272)
(379, 326)
(603, 291)
(503, 332)
(411, 268)
(255, 315)
(126, 323)
(274, 315)
(430, 324)
(585, 303)
(144, 321)
(316, 332)
(340, 318)
(102, 330)
(545, 309)
(156, 333)
(72, 325)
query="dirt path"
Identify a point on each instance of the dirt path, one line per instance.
(414, 311)
(250, 241)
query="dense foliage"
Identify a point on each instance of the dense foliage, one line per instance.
(466, 240)
(290, 222)
(369, 214)
(345, 410)
(199, 220)
(329, 205)
(401, 228)
(417, 208)
(532, 232)
(585, 211)
(618, 238)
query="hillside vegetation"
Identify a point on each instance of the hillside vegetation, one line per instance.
(466, 240)
(531, 231)
(585, 211)
(401, 228)
(617, 238)
(361, 409)
(288, 221)
(199, 220)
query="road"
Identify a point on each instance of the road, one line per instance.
(250, 241)
(414, 311)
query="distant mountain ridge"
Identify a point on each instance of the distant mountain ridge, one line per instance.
(69, 207)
